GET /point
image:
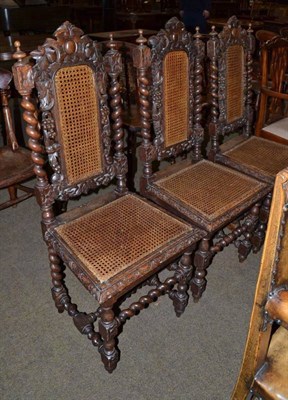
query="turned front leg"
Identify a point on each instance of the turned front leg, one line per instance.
(250, 223)
(259, 234)
(108, 329)
(183, 274)
(59, 291)
(202, 260)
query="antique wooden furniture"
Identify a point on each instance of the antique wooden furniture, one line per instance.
(129, 94)
(230, 55)
(272, 118)
(284, 31)
(231, 106)
(263, 35)
(118, 240)
(200, 191)
(16, 165)
(264, 370)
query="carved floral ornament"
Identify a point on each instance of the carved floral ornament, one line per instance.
(233, 33)
(69, 46)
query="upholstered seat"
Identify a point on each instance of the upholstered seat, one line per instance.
(278, 128)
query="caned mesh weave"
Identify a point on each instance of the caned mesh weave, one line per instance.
(234, 82)
(209, 188)
(114, 237)
(263, 155)
(176, 97)
(79, 122)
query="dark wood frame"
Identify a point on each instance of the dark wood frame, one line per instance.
(152, 149)
(71, 48)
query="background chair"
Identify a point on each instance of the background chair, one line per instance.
(16, 165)
(272, 118)
(117, 241)
(199, 191)
(230, 55)
(264, 370)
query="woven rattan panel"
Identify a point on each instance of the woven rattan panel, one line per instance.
(234, 83)
(209, 188)
(114, 237)
(79, 122)
(176, 97)
(263, 155)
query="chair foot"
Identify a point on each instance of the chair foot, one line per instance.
(109, 358)
(244, 248)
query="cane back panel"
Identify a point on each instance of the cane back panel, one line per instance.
(78, 109)
(234, 83)
(176, 97)
(261, 155)
(97, 237)
(209, 188)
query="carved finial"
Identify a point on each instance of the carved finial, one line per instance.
(197, 35)
(141, 39)
(111, 44)
(213, 32)
(19, 54)
(251, 38)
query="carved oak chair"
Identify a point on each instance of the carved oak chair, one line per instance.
(230, 55)
(201, 192)
(272, 117)
(117, 241)
(16, 165)
(264, 370)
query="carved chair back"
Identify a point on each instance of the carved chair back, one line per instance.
(230, 54)
(70, 76)
(175, 62)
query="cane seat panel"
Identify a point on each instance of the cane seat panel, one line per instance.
(104, 239)
(79, 122)
(176, 97)
(261, 155)
(235, 83)
(210, 188)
